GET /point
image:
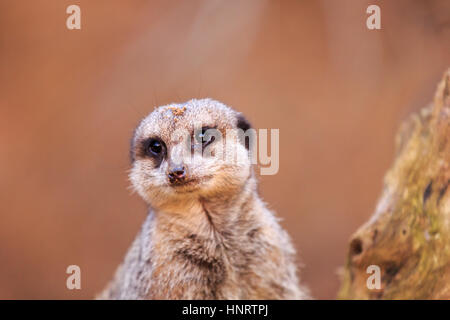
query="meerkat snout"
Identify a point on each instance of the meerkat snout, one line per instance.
(177, 174)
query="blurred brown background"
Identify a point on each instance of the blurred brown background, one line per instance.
(69, 101)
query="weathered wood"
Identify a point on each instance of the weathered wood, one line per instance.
(408, 236)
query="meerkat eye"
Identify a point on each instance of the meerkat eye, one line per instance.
(155, 147)
(204, 137)
(199, 135)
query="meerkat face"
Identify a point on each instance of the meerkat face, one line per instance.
(196, 150)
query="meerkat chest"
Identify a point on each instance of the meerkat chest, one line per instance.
(196, 265)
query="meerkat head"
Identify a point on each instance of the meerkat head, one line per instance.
(195, 150)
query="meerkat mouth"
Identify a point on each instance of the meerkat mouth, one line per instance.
(189, 185)
(186, 185)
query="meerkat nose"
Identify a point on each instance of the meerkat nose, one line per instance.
(177, 174)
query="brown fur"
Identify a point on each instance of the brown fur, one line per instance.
(213, 240)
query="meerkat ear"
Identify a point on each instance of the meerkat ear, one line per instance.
(244, 125)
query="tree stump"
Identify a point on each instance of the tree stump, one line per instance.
(408, 236)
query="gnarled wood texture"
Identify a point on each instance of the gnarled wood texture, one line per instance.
(408, 236)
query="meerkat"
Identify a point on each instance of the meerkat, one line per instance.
(208, 234)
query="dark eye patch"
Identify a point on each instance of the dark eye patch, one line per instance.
(154, 148)
(203, 137)
(244, 125)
